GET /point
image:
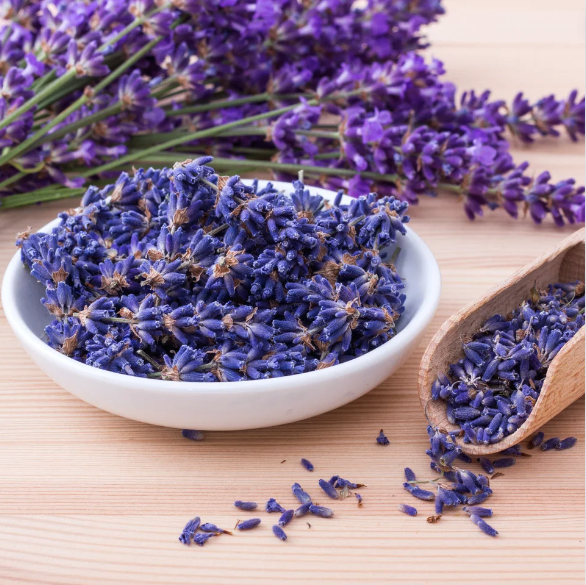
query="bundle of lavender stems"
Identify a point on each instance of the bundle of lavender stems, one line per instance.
(335, 88)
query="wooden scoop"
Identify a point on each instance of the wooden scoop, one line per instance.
(564, 382)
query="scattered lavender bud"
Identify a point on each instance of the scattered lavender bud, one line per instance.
(478, 510)
(409, 510)
(483, 525)
(439, 506)
(329, 489)
(514, 450)
(486, 464)
(448, 497)
(285, 518)
(550, 444)
(434, 519)
(208, 527)
(341, 483)
(479, 498)
(303, 509)
(483, 481)
(202, 537)
(418, 492)
(248, 524)
(504, 462)
(566, 443)
(279, 533)
(359, 498)
(189, 530)
(464, 457)
(302, 497)
(333, 479)
(307, 464)
(382, 439)
(410, 475)
(536, 440)
(246, 505)
(321, 511)
(193, 435)
(273, 506)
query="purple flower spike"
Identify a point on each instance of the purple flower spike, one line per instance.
(286, 517)
(193, 435)
(566, 443)
(246, 505)
(536, 440)
(321, 511)
(307, 464)
(504, 462)
(550, 444)
(248, 524)
(279, 533)
(382, 439)
(409, 510)
(329, 489)
(483, 525)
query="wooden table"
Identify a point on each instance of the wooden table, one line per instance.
(87, 497)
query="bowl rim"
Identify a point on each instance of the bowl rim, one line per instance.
(412, 330)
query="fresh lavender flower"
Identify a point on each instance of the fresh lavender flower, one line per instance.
(409, 510)
(566, 443)
(246, 505)
(248, 524)
(307, 464)
(550, 444)
(279, 533)
(382, 439)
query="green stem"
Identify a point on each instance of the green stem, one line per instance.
(13, 201)
(318, 134)
(33, 141)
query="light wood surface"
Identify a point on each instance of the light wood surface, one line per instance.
(564, 382)
(87, 497)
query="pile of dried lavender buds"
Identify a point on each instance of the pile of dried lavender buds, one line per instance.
(492, 390)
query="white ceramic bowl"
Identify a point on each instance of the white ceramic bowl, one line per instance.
(226, 406)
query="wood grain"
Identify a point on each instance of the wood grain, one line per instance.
(564, 382)
(87, 497)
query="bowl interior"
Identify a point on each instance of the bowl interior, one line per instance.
(412, 264)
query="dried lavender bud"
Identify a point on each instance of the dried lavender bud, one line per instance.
(409, 475)
(342, 483)
(483, 525)
(478, 510)
(193, 435)
(464, 457)
(329, 489)
(302, 497)
(382, 439)
(189, 530)
(448, 497)
(418, 492)
(439, 506)
(359, 498)
(536, 440)
(434, 519)
(479, 498)
(514, 450)
(273, 506)
(409, 510)
(202, 537)
(285, 518)
(504, 462)
(566, 443)
(550, 444)
(333, 479)
(483, 481)
(249, 524)
(469, 479)
(303, 509)
(246, 505)
(207, 527)
(279, 533)
(486, 464)
(321, 511)
(307, 464)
